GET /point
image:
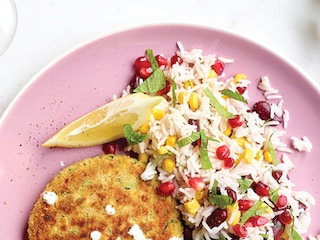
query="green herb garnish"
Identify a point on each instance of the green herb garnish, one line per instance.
(251, 212)
(157, 79)
(217, 105)
(235, 95)
(274, 157)
(204, 158)
(222, 201)
(274, 195)
(245, 184)
(133, 137)
(295, 235)
(188, 140)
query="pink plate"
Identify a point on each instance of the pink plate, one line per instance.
(88, 77)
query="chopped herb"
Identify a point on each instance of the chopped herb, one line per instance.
(188, 140)
(295, 235)
(204, 158)
(274, 157)
(174, 96)
(133, 137)
(214, 187)
(152, 59)
(222, 237)
(274, 195)
(156, 81)
(264, 235)
(222, 201)
(250, 212)
(245, 184)
(217, 105)
(235, 95)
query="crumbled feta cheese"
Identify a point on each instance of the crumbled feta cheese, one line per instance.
(149, 172)
(302, 145)
(137, 233)
(95, 235)
(49, 197)
(110, 210)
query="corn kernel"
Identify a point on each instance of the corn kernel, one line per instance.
(143, 157)
(192, 206)
(238, 77)
(247, 155)
(188, 84)
(241, 141)
(233, 214)
(267, 156)
(144, 128)
(258, 155)
(162, 150)
(267, 210)
(181, 97)
(199, 194)
(171, 141)
(158, 113)
(168, 164)
(228, 130)
(237, 160)
(193, 101)
(212, 74)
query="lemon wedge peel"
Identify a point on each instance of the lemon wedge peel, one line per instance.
(105, 124)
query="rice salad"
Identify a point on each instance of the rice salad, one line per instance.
(218, 154)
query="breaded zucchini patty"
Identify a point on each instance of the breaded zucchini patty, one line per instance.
(103, 196)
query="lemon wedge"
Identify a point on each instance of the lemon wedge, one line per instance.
(105, 123)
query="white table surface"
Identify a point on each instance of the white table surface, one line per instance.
(47, 28)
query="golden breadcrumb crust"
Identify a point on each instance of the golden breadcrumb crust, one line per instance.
(85, 188)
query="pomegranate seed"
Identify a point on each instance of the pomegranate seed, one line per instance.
(256, 221)
(282, 201)
(262, 189)
(277, 175)
(165, 189)
(240, 230)
(235, 122)
(218, 67)
(263, 109)
(244, 204)
(142, 62)
(144, 73)
(176, 59)
(222, 152)
(228, 163)
(197, 183)
(217, 217)
(241, 90)
(109, 148)
(162, 61)
(285, 217)
(166, 89)
(231, 193)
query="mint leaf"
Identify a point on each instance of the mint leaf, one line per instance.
(250, 212)
(235, 95)
(204, 158)
(217, 105)
(222, 237)
(295, 235)
(222, 201)
(157, 79)
(188, 140)
(274, 195)
(245, 184)
(152, 84)
(133, 137)
(274, 157)
(214, 187)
